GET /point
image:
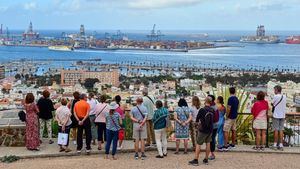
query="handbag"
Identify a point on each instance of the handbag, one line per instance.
(62, 139)
(22, 116)
(121, 134)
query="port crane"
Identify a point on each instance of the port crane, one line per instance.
(154, 35)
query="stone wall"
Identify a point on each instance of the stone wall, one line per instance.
(12, 130)
(12, 137)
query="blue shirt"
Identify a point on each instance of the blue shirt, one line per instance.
(233, 102)
(160, 118)
(112, 121)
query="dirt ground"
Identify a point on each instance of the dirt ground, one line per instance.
(126, 161)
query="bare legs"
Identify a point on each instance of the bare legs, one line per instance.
(185, 145)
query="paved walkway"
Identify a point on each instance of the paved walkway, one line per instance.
(47, 150)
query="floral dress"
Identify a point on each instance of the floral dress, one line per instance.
(32, 127)
(182, 132)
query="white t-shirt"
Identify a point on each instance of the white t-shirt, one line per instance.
(280, 109)
(92, 102)
(62, 113)
(194, 113)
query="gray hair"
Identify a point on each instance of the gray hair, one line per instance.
(82, 96)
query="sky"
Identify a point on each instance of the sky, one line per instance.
(142, 14)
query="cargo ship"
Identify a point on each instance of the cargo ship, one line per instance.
(293, 40)
(260, 37)
(61, 48)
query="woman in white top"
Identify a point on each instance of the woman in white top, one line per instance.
(63, 117)
(195, 109)
(101, 109)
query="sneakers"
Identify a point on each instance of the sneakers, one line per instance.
(231, 146)
(280, 148)
(136, 156)
(205, 161)
(225, 148)
(74, 142)
(212, 158)
(158, 156)
(165, 155)
(194, 162)
(51, 142)
(120, 148)
(88, 151)
(143, 157)
(78, 151)
(67, 150)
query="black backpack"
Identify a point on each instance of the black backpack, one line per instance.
(206, 124)
(22, 116)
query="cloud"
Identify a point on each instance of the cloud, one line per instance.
(30, 6)
(155, 4)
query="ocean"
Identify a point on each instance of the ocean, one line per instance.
(238, 55)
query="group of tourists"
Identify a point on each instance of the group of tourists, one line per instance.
(209, 124)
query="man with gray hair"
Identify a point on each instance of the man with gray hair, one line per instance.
(81, 113)
(149, 103)
(138, 115)
(279, 110)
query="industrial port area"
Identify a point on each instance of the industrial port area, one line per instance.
(153, 41)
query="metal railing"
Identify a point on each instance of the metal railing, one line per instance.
(245, 131)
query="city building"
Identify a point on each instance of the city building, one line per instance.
(2, 72)
(71, 77)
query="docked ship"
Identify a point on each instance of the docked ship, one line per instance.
(293, 40)
(61, 48)
(260, 37)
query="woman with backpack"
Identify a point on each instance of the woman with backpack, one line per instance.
(160, 128)
(74, 124)
(182, 116)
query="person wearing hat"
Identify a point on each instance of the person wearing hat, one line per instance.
(113, 125)
(81, 113)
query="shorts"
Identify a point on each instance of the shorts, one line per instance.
(278, 124)
(203, 138)
(260, 124)
(230, 124)
(139, 134)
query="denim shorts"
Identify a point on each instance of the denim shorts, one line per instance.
(278, 124)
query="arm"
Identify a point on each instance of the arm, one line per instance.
(56, 118)
(120, 121)
(87, 114)
(132, 118)
(189, 119)
(176, 118)
(228, 110)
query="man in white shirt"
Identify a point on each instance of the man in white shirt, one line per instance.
(279, 110)
(93, 103)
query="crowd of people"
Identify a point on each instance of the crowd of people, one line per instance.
(209, 124)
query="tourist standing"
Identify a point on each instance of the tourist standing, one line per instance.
(205, 128)
(195, 109)
(160, 128)
(222, 112)
(260, 121)
(230, 122)
(93, 102)
(74, 126)
(101, 109)
(46, 107)
(182, 116)
(32, 123)
(279, 110)
(81, 112)
(63, 118)
(149, 103)
(121, 111)
(113, 125)
(215, 127)
(138, 115)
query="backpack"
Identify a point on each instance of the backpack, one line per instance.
(206, 124)
(22, 116)
(216, 116)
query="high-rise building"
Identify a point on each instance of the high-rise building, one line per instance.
(2, 72)
(71, 77)
(82, 31)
